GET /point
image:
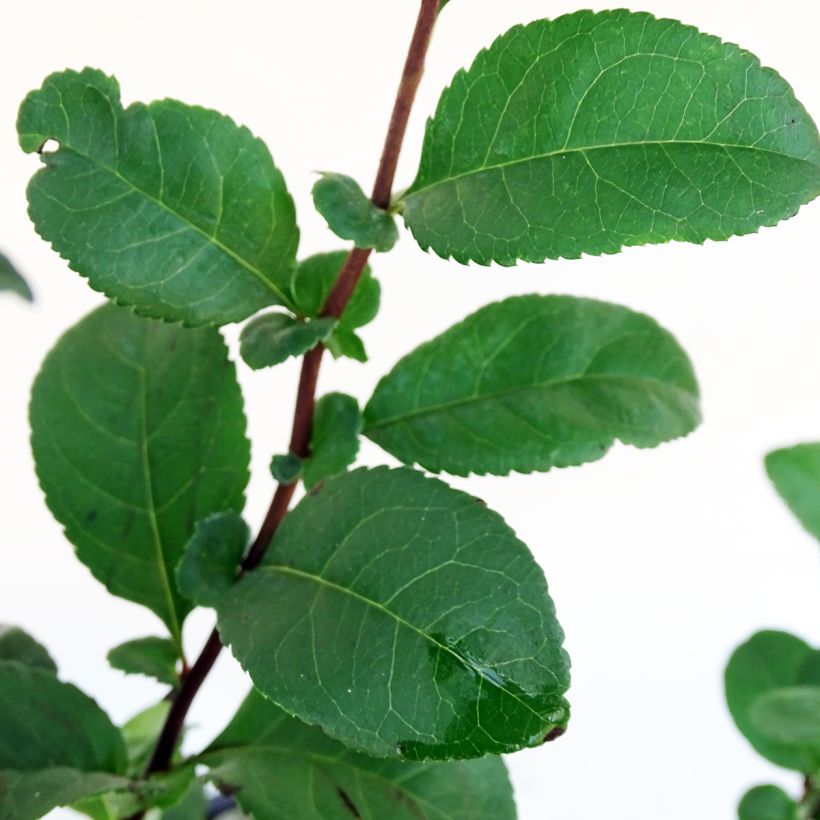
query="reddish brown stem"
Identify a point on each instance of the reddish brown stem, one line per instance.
(306, 393)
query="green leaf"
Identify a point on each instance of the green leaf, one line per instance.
(404, 618)
(795, 473)
(171, 208)
(284, 769)
(31, 795)
(17, 645)
(531, 383)
(11, 279)
(346, 343)
(138, 432)
(193, 805)
(46, 723)
(140, 734)
(314, 279)
(274, 337)
(766, 662)
(334, 442)
(286, 468)
(791, 716)
(591, 132)
(208, 568)
(151, 656)
(350, 214)
(767, 803)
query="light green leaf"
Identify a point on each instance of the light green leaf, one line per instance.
(405, 619)
(284, 769)
(193, 805)
(791, 716)
(31, 795)
(140, 734)
(11, 279)
(274, 337)
(286, 468)
(347, 343)
(766, 662)
(795, 473)
(208, 568)
(767, 803)
(171, 208)
(152, 656)
(17, 645)
(334, 442)
(138, 432)
(531, 383)
(350, 214)
(591, 132)
(46, 723)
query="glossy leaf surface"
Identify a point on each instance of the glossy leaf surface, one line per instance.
(168, 207)
(405, 619)
(138, 432)
(531, 383)
(283, 768)
(587, 133)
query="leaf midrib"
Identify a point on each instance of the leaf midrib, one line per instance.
(509, 391)
(286, 570)
(412, 192)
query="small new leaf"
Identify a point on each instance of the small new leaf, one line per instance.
(795, 473)
(137, 433)
(286, 468)
(208, 568)
(168, 207)
(17, 645)
(274, 337)
(595, 131)
(152, 656)
(11, 279)
(350, 214)
(531, 383)
(278, 765)
(404, 618)
(767, 803)
(334, 442)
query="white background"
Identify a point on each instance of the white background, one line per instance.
(660, 561)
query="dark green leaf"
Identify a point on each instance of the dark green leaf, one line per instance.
(31, 795)
(286, 468)
(768, 661)
(795, 473)
(767, 803)
(151, 656)
(17, 645)
(791, 716)
(168, 207)
(351, 215)
(285, 769)
(334, 443)
(531, 383)
(138, 432)
(45, 723)
(10, 279)
(193, 805)
(208, 568)
(274, 337)
(595, 131)
(405, 618)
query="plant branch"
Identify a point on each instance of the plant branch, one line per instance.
(306, 393)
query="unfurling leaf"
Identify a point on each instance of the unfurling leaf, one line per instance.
(152, 656)
(351, 215)
(274, 337)
(17, 645)
(767, 803)
(531, 383)
(404, 618)
(11, 279)
(594, 131)
(208, 568)
(769, 661)
(278, 765)
(795, 473)
(171, 208)
(138, 432)
(334, 442)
